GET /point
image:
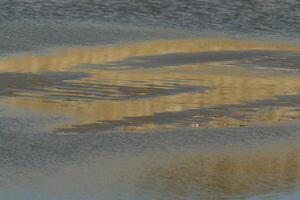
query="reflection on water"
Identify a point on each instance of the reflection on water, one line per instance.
(192, 169)
(66, 59)
(159, 84)
(236, 173)
(183, 86)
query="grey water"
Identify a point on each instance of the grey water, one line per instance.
(260, 162)
(27, 25)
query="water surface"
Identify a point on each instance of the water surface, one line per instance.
(149, 99)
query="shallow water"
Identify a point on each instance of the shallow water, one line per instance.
(149, 99)
(158, 84)
(171, 119)
(272, 17)
(183, 164)
(28, 25)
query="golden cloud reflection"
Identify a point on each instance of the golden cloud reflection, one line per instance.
(80, 82)
(65, 59)
(230, 174)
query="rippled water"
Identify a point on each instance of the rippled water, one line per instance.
(142, 100)
(210, 164)
(152, 85)
(33, 24)
(171, 119)
(273, 16)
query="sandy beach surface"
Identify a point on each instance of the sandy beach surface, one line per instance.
(147, 100)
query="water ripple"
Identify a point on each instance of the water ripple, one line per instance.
(241, 16)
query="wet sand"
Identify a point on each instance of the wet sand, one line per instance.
(209, 119)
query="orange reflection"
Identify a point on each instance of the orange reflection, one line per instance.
(238, 172)
(115, 94)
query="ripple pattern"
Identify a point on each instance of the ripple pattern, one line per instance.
(273, 16)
